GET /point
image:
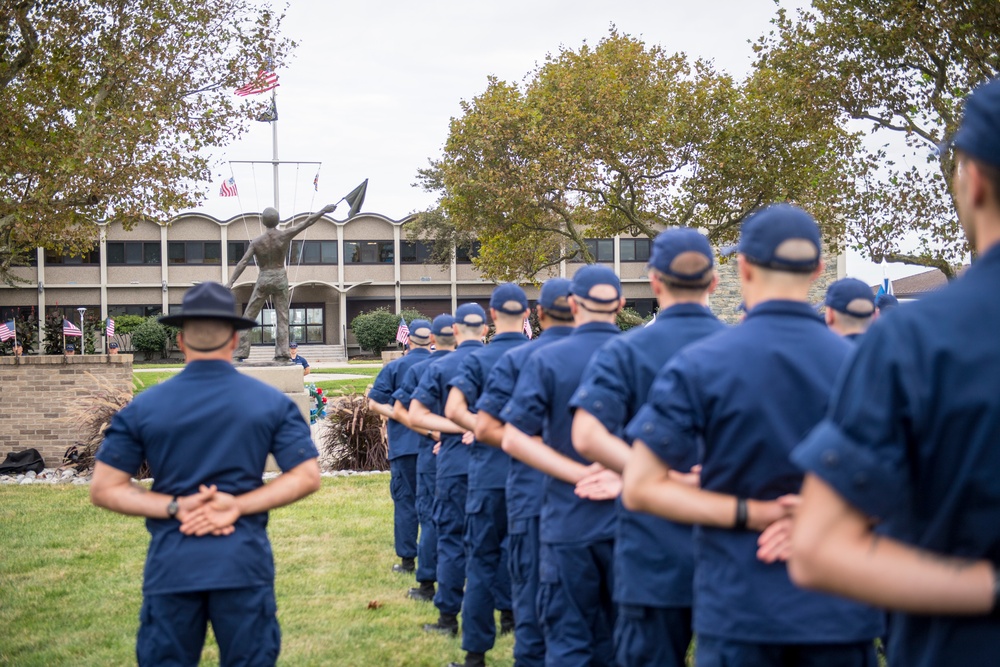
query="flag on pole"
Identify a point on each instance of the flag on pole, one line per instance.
(70, 329)
(356, 198)
(266, 80)
(403, 332)
(7, 330)
(270, 114)
(228, 188)
(109, 330)
(316, 182)
(527, 327)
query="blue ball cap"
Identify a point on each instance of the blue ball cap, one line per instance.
(781, 237)
(851, 297)
(683, 254)
(70, 348)
(979, 133)
(554, 293)
(443, 325)
(113, 345)
(886, 301)
(591, 276)
(509, 298)
(292, 345)
(470, 314)
(420, 331)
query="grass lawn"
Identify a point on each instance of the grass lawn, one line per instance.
(144, 380)
(71, 579)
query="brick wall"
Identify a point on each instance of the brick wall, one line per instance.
(35, 390)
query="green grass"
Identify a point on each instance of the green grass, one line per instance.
(71, 579)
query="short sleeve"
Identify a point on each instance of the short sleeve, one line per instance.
(605, 390)
(468, 380)
(528, 405)
(382, 388)
(670, 423)
(122, 447)
(499, 387)
(292, 443)
(428, 392)
(860, 448)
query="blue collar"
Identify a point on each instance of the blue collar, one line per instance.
(469, 343)
(684, 310)
(986, 260)
(556, 332)
(418, 350)
(208, 367)
(785, 307)
(596, 327)
(508, 336)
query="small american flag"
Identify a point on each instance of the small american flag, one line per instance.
(228, 188)
(527, 327)
(316, 182)
(70, 329)
(110, 329)
(7, 330)
(403, 332)
(266, 80)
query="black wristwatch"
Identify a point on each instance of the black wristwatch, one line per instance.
(172, 508)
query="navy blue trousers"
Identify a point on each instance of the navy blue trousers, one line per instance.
(403, 489)
(717, 652)
(428, 542)
(652, 636)
(575, 605)
(449, 515)
(172, 628)
(486, 570)
(529, 643)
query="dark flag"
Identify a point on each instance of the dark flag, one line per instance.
(356, 198)
(270, 114)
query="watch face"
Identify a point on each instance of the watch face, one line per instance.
(172, 508)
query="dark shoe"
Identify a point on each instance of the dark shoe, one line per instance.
(471, 660)
(506, 621)
(447, 624)
(424, 593)
(405, 566)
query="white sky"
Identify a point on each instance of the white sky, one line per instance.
(372, 86)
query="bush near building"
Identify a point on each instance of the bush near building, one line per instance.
(375, 330)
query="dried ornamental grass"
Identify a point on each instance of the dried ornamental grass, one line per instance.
(352, 437)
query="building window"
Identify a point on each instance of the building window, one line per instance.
(133, 252)
(91, 257)
(415, 252)
(465, 254)
(141, 311)
(602, 250)
(305, 325)
(635, 250)
(368, 252)
(644, 307)
(194, 252)
(312, 252)
(236, 250)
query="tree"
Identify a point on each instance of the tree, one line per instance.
(904, 67)
(622, 138)
(375, 329)
(109, 106)
(150, 338)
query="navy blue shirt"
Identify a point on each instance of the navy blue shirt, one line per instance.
(432, 392)
(912, 438)
(488, 465)
(301, 361)
(207, 425)
(743, 399)
(654, 558)
(426, 459)
(402, 440)
(524, 483)
(540, 406)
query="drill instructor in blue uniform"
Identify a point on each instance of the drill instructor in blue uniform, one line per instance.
(487, 573)
(443, 340)
(206, 434)
(911, 443)
(293, 354)
(742, 399)
(576, 534)
(850, 308)
(427, 411)
(654, 557)
(403, 446)
(523, 489)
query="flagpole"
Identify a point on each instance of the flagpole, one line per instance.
(83, 346)
(274, 148)
(64, 335)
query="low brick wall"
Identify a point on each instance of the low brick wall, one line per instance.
(35, 391)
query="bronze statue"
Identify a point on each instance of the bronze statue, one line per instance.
(271, 249)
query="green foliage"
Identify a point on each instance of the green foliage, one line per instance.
(27, 336)
(53, 341)
(628, 318)
(108, 107)
(126, 324)
(375, 330)
(410, 314)
(150, 338)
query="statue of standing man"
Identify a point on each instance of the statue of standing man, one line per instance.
(270, 249)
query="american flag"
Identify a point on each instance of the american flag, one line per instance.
(403, 332)
(527, 327)
(228, 188)
(316, 182)
(70, 329)
(266, 80)
(110, 330)
(7, 330)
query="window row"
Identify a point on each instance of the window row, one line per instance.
(603, 250)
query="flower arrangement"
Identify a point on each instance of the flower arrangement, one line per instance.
(318, 412)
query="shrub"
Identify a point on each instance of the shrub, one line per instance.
(628, 318)
(126, 324)
(150, 338)
(375, 329)
(353, 437)
(410, 314)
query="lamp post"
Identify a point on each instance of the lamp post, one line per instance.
(83, 346)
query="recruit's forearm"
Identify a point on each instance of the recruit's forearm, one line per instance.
(284, 489)
(457, 410)
(595, 443)
(534, 452)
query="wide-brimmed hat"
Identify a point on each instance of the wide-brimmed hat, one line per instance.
(208, 301)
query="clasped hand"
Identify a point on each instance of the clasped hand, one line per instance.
(208, 512)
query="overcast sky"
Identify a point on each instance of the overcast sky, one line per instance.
(372, 86)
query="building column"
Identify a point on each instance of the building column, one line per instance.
(454, 282)
(224, 240)
(40, 273)
(340, 281)
(103, 249)
(395, 266)
(618, 255)
(164, 273)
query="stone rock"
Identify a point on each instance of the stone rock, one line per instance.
(27, 480)
(68, 472)
(80, 480)
(30, 474)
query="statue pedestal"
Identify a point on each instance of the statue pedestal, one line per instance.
(287, 379)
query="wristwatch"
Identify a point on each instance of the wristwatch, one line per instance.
(172, 508)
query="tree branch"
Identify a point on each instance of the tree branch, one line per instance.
(27, 51)
(918, 260)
